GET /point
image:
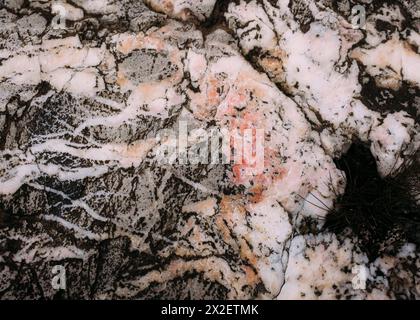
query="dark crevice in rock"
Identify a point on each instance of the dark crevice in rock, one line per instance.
(217, 18)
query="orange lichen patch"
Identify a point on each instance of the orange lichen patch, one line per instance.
(207, 102)
(246, 252)
(186, 15)
(198, 237)
(232, 213)
(248, 121)
(127, 45)
(178, 267)
(261, 182)
(108, 65)
(390, 63)
(242, 113)
(229, 205)
(240, 99)
(190, 223)
(256, 193)
(139, 148)
(213, 268)
(272, 62)
(392, 81)
(273, 172)
(212, 91)
(249, 118)
(168, 6)
(410, 49)
(162, 6)
(147, 90)
(274, 166)
(205, 208)
(250, 275)
(122, 81)
(135, 152)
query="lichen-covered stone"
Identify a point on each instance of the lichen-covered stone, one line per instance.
(84, 111)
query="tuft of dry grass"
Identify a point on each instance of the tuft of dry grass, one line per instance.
(383, 213)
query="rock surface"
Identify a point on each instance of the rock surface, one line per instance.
(89, 91)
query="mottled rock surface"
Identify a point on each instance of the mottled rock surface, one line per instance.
(89, 91)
